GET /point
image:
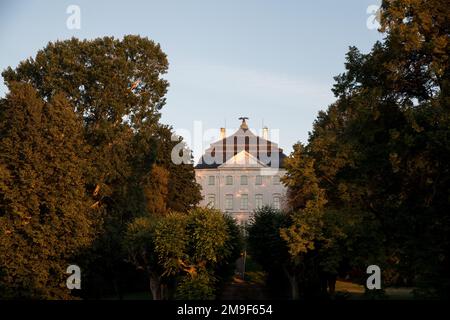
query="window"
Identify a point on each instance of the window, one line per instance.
(258, 201)
(244, 202)
(244, 180)
(229, 180)
(258, 181)
(211, 180)
(229, 202)
(276, 179)
(276, 201)
(211, 199)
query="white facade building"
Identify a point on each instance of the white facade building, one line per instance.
(241, 173)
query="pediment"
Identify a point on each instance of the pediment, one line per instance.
(243, 159)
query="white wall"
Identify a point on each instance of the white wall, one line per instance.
(268, 189)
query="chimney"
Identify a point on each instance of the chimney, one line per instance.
(222, 133)
(265, 133)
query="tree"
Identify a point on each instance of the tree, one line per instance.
(304, 192)
(116, 89)
(194, 253)
(233, 248)
(45, 219)
(185, 248)
(313, 242)
(382, 149)
(268, 248)
(139, 243)
(183, 190)
(307, 200)
(418, 33)
(156, 190)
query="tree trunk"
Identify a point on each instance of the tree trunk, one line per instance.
(332, 284)
(294, 287)
(155, 287)
(293, 283)
(117, 288)
(164, 292)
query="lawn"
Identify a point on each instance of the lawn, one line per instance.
(356, 291)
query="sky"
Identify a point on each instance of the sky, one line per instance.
(272, 61)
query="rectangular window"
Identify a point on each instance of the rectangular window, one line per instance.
(276, 179)
(258, 180)
(229, 202)
(229, 180)
(211, 199)
(211, 180)
(276, 201)
(244, 180)
(244, 202)
(258, 201)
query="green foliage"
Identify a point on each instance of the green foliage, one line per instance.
(307, 201)
(189, 248)
(114, 91)
(371, 185)
(232, 250)
(170, 242)
(156, 190)
(264, 241)
(139, 242)
(183, 190)
(235, 241)
(331, 233)
(105, 80)
(302, 183)
(192, 242)
(418, 30)
(381, 155)
(45, 219)
(200, 287)
(115, 88)
(208, 235)
(271, 251)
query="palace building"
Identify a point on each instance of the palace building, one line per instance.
(241, 172)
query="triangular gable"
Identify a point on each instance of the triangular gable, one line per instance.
(243, 159)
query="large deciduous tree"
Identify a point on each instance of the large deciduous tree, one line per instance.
(115, 88)
(188, 248)
(45, 215)
(371, 185)
(382, 150)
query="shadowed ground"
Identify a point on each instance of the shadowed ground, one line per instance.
(240, 289)
(250, 285)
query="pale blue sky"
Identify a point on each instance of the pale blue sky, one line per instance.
(272, 61)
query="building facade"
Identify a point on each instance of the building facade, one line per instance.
(241, 173)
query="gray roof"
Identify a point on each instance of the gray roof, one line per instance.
(243, 139)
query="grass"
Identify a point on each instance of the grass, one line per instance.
(356, 291)
(254, 272)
